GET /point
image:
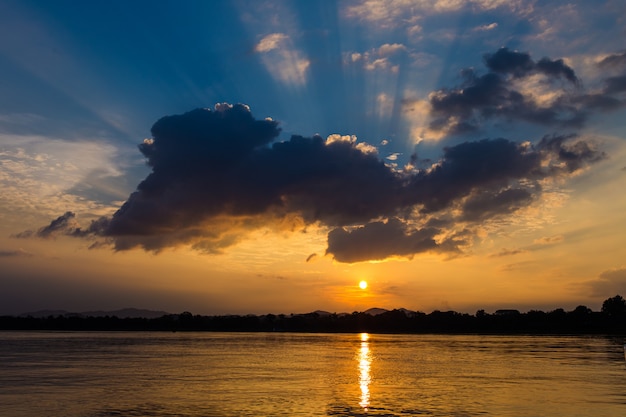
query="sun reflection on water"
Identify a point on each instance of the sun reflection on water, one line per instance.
(365, 362)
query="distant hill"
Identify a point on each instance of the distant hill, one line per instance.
(124, 313)
(375, 311)
(322, 313)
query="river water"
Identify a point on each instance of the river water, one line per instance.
(94, 374)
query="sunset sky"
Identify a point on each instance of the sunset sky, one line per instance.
(234, 157)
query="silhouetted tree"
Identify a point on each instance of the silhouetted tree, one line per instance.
(614, 307)
(582, 311)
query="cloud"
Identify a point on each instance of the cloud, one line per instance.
(42, 176)
(517, 88)
(271, 42)
(392, 238)
(485, 28)
(567, 155)
(614, 61)
(216, 175)
(283, 61)
(520, 64)
(392, 13)
(609, 282)
(389, 58)
(14, 253)
(386, 57)
(65, 224)
(507, 252)
(549, 240)
(483, 205)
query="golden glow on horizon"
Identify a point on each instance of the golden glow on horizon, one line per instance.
(363, 285)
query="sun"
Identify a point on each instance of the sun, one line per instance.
(363, 285)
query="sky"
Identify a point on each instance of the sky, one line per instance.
(254, 157)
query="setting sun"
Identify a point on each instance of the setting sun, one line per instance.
(363, 285)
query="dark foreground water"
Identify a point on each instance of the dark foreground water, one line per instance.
(275, 374)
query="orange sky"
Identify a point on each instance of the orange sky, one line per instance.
(386, 80)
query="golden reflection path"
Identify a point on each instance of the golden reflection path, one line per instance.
(365, 362)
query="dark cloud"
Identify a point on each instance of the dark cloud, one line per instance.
(598, 102)
(63, 225)
(509, 62)
(614, 61)
(484, 205)
(569, 155)
(615, 84)
(379, 240)
(500, 94)
(556, 68)
(520, 64)
(480, 98)
(218, 174)
(487, 165)
(612, 281)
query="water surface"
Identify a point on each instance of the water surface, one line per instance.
(92, 374)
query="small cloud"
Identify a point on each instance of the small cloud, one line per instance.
(507, 252)
(311, 257)
(271, 42)
(485, 28)
(14, 253)
(386, 57)
(549, 240)
(335, 137)
(389, 49)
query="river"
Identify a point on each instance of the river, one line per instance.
(100, 374)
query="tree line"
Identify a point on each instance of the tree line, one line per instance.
(582, 320)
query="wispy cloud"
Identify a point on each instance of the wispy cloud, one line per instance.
(282, 60)
(507, 252)
(487, 27)
(391, 13)
(14, 253)
(549, 240)
(37, 172)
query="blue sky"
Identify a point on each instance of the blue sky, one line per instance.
(411, 86)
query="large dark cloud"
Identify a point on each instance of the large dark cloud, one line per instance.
(218, 174)
(500, 94)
